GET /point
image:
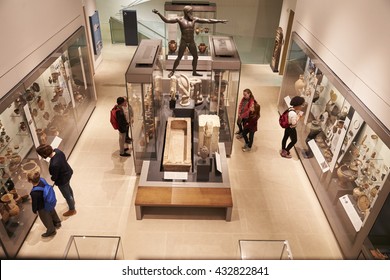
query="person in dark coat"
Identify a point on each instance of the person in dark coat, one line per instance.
(123, 127)
(61, 173)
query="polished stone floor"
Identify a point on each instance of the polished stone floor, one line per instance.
(273, 198)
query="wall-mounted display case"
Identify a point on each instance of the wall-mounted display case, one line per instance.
(51, 105)
(344, 150)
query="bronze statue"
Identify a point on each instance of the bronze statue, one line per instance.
(187, 28)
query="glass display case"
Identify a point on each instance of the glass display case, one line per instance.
(61, 96)
(51, 105)
(225, 83)
(265, 250)
(343, 148)
(154, 98)
(144, 92)
(16, 160)
(90, 247)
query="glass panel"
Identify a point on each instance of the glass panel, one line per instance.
(49, 103)
(84, 247)
(341, 146)
(17, 158)
(41, 108)
(265, 250)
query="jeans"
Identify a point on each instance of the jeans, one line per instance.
(67, 193)
(248, 140)
(122, 142)
(240, 125)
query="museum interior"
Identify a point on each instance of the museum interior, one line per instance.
(189, 190)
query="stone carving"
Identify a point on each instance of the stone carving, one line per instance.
(185, 87)
(196, 87)
(177, 149)
(208, 132)
(204, 153)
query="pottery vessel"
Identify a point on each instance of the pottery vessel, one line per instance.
(202, 47)
(172, 45)
(41, 136)
(346, 175)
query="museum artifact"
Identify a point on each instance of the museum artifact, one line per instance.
(300, 86)
(277, 49)
(208, 133)
(177, 149)
(172, 46)
(185, 87)
(202, 47)
(187, 28)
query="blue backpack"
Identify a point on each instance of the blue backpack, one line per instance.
(49, 196)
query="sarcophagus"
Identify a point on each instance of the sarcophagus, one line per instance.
(177, 149)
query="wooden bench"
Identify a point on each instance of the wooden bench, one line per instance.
(183, 197)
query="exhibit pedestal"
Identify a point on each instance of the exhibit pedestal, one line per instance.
(184, 111)
(154, 191)
(203, 169)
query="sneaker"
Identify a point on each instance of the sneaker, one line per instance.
(245, 146)
(48, 234)
(285, 154)
(238, 136)
(69, 213)
(125, 154)
(247, 149)
(57, 225)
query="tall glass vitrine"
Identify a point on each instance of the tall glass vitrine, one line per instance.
(51, 105)
(144, 91)
(344, 149)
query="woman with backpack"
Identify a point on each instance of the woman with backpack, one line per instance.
(250, 126)
(294, 115)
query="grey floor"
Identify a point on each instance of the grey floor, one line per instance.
(273, 198)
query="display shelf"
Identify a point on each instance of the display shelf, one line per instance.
(349, 169)
(21, 127)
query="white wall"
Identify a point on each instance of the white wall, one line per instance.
(352, 37)
(30, 31)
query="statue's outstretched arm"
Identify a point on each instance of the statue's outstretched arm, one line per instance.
(211, 20)
(163, 18)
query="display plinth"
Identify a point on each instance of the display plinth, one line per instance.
(184, 111)
(154, 191)
(203, 169)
